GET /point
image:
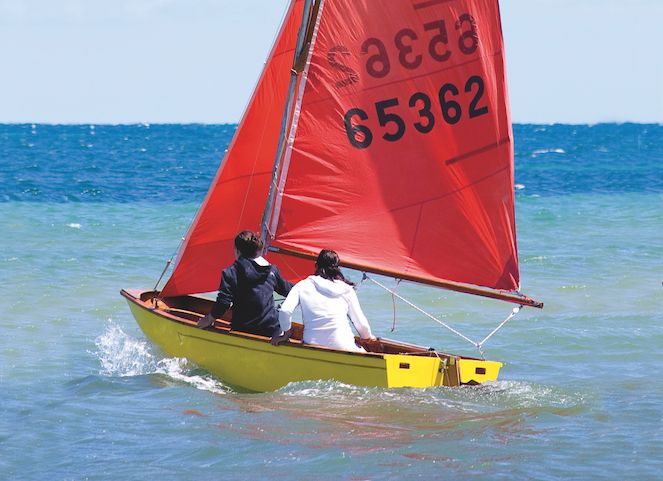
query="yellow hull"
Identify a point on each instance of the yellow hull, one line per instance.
(251, 363)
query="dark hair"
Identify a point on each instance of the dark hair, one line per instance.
(326, 266)
(249, 244)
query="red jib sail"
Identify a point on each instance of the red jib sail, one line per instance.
(237, 197)
(402, 159)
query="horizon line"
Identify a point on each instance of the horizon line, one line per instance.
(148, 124)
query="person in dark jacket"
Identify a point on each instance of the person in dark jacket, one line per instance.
(248, 286)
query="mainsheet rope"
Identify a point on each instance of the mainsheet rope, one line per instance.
(478, 345)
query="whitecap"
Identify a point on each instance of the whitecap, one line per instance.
(538, 152)
(74, 225)
(519, 186)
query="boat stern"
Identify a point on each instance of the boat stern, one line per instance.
(477, 371)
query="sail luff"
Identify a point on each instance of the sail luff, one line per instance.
(513, 297)
(274, 217)
(287, 112)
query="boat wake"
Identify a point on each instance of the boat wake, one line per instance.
(492, 396)
(522, 394)
(387, 418)
(121, 355)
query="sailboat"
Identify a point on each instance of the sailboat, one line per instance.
(379, 129)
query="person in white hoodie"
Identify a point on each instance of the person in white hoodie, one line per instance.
(326, 298)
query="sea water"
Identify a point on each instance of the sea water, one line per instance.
(86, 210)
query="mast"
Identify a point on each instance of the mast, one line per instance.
(309, 18)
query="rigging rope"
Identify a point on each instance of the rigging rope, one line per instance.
(515, 311)
(393, 302)
(422, 311)
(478, 345)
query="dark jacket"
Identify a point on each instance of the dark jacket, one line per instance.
(249, 288)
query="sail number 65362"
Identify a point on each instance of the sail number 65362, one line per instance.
(361, 136)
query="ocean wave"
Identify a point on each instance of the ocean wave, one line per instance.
(574, 287)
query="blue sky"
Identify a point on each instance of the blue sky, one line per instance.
(125, 61)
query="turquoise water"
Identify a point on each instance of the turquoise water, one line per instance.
(87, 210)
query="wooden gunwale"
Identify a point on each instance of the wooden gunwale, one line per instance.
(135, 297)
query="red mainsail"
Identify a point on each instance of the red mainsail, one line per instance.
(403, 155)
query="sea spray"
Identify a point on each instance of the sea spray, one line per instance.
(121, 355)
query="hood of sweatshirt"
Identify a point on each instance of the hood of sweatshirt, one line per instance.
(253, 272)
(330, 288)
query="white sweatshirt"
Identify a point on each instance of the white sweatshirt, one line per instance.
(325, 308)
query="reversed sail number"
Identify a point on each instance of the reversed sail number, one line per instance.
(411, 49)
(361, 136)
(378, 63)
